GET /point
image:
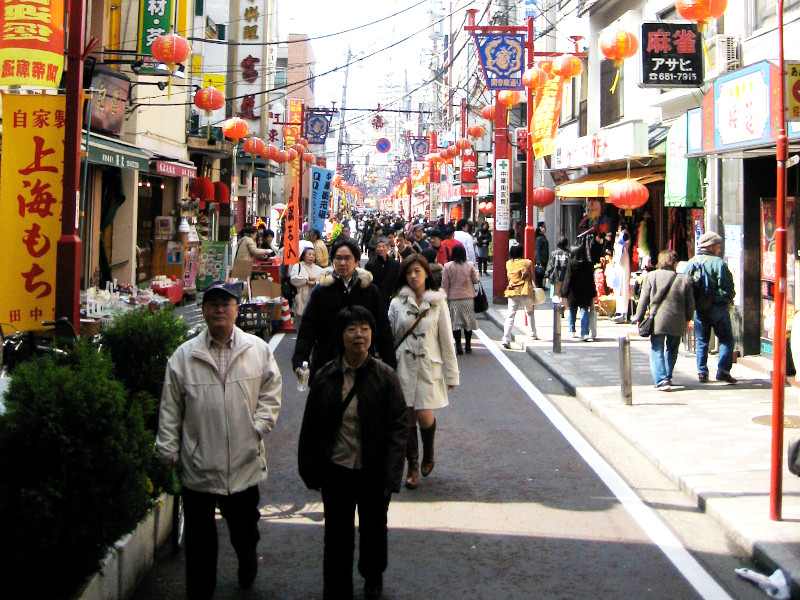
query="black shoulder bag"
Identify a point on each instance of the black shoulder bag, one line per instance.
(646, 325)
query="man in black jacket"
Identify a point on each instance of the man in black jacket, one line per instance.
(384, 270)
(346, 286)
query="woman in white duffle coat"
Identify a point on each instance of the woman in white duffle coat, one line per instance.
(426, 358)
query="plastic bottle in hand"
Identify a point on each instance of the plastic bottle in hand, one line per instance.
(302, 377)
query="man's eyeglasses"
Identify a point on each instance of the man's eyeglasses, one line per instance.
(346, 258)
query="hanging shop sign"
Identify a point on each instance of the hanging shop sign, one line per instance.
(502, 194)
(403, 168)
(419, 147)
(155, 20)
(672, 55)
(31, 42)
(469, 168)
(173, 169)
(250, 58)
(615, 143)
(320, 197)
(30, 207)
(792, 90)
(317, 126)
(683, 187)
(502, 59)
(544, 124)
(109, 98)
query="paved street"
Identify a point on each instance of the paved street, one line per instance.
(511, 510)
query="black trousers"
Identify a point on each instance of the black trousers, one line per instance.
(342, 491)
(240, 512)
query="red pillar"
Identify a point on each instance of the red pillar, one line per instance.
(68, 247)
(530, 231)
(779, 344)
(500, 235)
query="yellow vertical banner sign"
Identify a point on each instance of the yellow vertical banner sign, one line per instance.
(31, 42)
(30, 208)
(291, 237)
(295, 113)
(546, 118)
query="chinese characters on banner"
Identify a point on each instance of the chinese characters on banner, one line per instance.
(320, 197)
(291, 236)
(294, 114)
(32, 42)
(502, 195)
(155, 18)
(546, 118)
(502, 57)
(672, 55)
(30, 207)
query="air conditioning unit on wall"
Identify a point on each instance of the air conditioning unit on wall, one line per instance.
(723, 52)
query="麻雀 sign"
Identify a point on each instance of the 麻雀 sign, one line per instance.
(672, 55)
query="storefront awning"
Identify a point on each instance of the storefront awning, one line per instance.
(115, 153)
(597, 185)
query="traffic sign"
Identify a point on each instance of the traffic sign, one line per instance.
(383, 145)
(792, 90)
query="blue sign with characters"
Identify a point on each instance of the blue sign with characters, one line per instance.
(404, 168)
(320, 197)
(503, 60)
(317, 128)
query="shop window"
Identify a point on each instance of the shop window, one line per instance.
(583, 127)
(765, 10)
(574, 92)
(611, 109)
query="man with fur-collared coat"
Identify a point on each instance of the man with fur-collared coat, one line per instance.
(347, 285)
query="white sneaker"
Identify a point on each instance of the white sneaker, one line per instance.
(584, 338)
(574, 334)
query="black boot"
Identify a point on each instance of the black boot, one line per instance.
(468, 341)
(428, 436)
(412, 451)
(457, 337)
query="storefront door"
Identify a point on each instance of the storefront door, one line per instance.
(768, 260)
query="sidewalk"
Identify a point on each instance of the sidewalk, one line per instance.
(713, 440)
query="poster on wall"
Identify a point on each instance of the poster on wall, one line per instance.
(213, 263)
(768, 261)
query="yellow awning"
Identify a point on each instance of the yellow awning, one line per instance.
(596, 185)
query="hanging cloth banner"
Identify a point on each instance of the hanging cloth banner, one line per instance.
(291, 238)
(420, 147)
(295, 117)
(31, 42)
(30, 207)
(403, 168)
(502, 59)
(546, 118)
(317, 128)
(320, 197)
(683, 184)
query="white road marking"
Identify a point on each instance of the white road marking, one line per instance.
(274, 341)
(648, 520)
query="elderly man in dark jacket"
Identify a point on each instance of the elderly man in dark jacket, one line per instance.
(346, 286)
(352, 447)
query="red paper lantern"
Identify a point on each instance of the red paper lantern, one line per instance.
(567, 66)
(299, 148)
(628, 194)
(337, 179)
(202, 188)
(543, 196)
(476, 131)
(281, 156)
(489, 207)
(209, 99)
(308, 157)
(701, 11)
(509, 98)
(488, 112)
(452, 151)
(618, 44)
(253, 145)
(272, 151)
(292, 154)
(482, 207)
(463, 144)
(534, 78)
(303, 141)
(222, 195)
(235, 128)
(547, 67)
(456, 213)
(171, 49)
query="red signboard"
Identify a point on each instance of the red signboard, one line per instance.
(171, 169)
(469, 169)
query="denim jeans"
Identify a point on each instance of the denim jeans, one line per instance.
(663, 355)
(720, 320)
(573, 314)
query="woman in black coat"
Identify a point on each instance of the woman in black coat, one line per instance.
(352, 447)
(579, 290)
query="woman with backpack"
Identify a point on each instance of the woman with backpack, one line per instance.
(669, 297)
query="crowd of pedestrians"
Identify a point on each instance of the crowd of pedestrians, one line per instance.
(382, 343)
